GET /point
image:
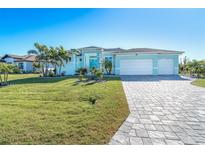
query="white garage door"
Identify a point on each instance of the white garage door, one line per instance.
(165, 66)
(136, 67)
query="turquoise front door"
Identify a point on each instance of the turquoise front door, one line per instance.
(93, 62)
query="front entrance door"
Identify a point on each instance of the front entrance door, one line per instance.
(93, 62)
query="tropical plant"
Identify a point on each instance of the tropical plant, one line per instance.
(93, 70)
(42, 58)
(193, 68)
(32, 52)
(16, 69)
(82, 70)
(51, 56)
(54, 58)
(5, 69)
(63, 57)
(108, 66)
(76, 52)
(99, 74)
(80, 76)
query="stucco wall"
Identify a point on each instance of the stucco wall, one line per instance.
(70, 67)
(28, 67)
(75, 63)
(9, 60)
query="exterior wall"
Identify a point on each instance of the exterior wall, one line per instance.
(28, 66)
(154, 57)
(75, 63)
(78, 62)
(70, 67)
(9, 60)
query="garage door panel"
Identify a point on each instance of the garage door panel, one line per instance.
(136, 67)
(165, 66)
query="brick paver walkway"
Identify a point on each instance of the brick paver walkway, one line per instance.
(163, 110)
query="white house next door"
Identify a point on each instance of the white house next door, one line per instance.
(136, 67)
(165, 66)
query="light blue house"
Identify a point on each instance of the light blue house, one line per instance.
(136, 61)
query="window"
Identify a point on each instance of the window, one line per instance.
(108, 58)
(20, 65)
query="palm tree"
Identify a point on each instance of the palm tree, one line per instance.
(63, 56)
(42, 57)
(76, 52)
(108, 66)
(54, 58)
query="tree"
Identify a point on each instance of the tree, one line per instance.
(50, 56)
(42, 58)
(32, 52)
(75, 52)
(63, 56)
(108, 66)
(5, 69)
(54, 58)
(195, 67)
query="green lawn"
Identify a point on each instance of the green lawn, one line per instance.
(37, 110)
(199, 82)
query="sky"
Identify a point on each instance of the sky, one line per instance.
(174, 29)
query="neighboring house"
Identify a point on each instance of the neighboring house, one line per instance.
(24, 63)
(1, 60)
(136, 61)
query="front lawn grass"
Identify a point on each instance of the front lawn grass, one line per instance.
(199, 82)
(37, 110)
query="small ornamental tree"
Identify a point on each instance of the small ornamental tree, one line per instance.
(5, 69)
(108, 66)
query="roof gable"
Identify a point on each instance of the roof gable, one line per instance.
(12, 56)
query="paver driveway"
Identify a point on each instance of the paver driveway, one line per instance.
(163, 110)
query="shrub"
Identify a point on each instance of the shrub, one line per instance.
(93, 70)
(80, 77)
(99, 74)
(91, 98)
(16, 69)
(82, 70)
(108, 66)
(193, 68)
